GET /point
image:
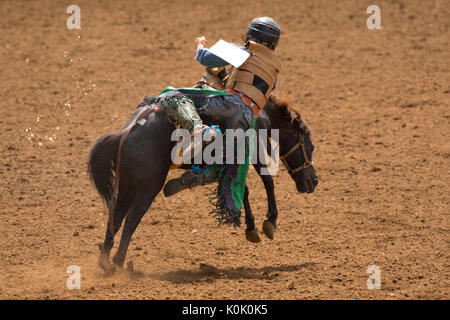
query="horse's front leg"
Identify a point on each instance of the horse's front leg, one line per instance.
(251, 233)
(270, 224)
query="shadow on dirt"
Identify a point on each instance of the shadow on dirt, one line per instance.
(208, 273)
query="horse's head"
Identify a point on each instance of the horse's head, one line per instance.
(296, 146)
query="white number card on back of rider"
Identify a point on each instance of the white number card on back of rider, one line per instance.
(230, 53)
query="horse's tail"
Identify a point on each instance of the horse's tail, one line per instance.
(102, 164)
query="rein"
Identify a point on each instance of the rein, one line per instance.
(307, 163)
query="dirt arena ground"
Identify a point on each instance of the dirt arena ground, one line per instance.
(377, 102)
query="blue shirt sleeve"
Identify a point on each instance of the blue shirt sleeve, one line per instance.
(210, 60)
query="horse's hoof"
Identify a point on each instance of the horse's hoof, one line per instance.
(130, 270)
(103, 261)
(269, 229)
(252, 235)
(117, 265)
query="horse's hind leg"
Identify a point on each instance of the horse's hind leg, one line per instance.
(125, 197)
(251, 233)
(141, 203)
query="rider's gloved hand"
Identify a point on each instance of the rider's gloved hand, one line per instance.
(200, 42)
(211, 132)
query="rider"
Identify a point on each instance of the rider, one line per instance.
(247, 90)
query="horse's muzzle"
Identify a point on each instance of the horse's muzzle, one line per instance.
(311, 184)
(308, 181)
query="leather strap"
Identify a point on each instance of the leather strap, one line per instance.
(247, 101)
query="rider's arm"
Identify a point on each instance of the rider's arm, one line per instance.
(210, 60)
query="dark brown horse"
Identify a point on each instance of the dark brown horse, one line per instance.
(144, 159)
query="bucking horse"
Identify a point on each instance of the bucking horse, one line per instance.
(129, 169)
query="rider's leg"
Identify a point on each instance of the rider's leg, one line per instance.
(227, 110)
(183, 112)
(231, 113)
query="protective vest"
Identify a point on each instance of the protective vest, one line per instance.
(256, 76)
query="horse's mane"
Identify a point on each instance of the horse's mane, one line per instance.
(284, 108)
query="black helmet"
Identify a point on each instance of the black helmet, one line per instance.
(264, 30)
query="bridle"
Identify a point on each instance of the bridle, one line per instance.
(307, 163)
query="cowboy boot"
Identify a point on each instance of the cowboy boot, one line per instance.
(190, 179)
(176, 185)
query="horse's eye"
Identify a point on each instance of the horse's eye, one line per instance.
(312, 147)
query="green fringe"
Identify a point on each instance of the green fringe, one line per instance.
(221, 212)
